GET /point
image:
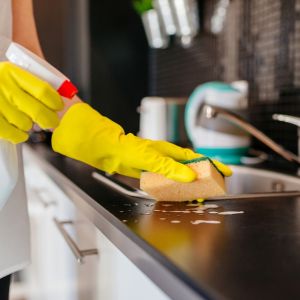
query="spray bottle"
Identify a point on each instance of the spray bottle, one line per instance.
(32, 63)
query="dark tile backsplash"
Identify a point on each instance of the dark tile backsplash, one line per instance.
(176, 71)
(260, 43)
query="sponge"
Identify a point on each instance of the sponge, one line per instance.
(209, 183)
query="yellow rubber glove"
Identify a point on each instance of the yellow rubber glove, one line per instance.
(86, 135)
(225, 170)
(24, 100)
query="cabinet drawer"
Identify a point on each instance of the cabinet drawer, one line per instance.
(71, 258)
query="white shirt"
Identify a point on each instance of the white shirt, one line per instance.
(14, 222)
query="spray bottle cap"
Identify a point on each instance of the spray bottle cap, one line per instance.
(27, 60)
(67, 89)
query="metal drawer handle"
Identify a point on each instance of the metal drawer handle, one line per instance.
(79, 254)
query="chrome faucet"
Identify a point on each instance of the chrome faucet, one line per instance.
(211, 111)
(291, 120)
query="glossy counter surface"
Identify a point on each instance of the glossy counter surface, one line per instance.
(249, 255)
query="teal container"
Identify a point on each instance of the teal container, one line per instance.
(217, 137)
(225, 155)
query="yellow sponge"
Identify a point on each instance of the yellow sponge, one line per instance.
(209, 183)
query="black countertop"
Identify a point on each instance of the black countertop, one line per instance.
(254, 255)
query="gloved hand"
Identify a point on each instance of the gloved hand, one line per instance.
(86, 135)
(25, 99)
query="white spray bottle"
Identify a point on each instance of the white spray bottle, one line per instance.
(30, 62)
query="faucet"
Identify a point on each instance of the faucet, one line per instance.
(291, 120)
(211, 111)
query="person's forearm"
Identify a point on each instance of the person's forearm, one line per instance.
(68, 104)
(23, 18)
(24, 28)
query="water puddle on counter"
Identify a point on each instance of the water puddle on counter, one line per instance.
(199, 211)
(196, 222)
(175, 221)
(178, 212)
(209, 210)
(230, 212)
(208, 206)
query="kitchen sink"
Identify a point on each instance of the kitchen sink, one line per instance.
(244, 183)
(249, 180)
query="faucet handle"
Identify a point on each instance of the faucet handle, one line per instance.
(287, 119)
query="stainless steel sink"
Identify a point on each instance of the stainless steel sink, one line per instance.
(249, 180)
(244, 183)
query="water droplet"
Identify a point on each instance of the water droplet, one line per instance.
(121, 211)
(198, 211)
(175, 221)
(124, 221)
(207, 206)
(196, 222)
(202, 207)
(163, 219)
(231, 212)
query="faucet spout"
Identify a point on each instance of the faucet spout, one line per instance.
(211, 111)
(287, 119)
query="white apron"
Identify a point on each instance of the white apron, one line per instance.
(14, 222)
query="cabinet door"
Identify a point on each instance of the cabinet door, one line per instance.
(115, 276)
(52, 273)
(61, 238)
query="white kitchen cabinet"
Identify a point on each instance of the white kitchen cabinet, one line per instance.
(55, 273)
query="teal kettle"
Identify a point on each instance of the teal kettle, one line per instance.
(218, 138)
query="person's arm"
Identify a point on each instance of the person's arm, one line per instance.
(24, 28)
(23, 17)
(83, 133)
(25, 99)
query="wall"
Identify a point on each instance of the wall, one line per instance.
(119, 61)
(260, 43)
(63, 29)
(101, 46)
